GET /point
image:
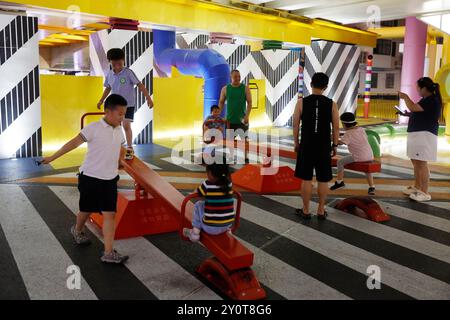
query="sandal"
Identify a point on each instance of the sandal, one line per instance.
(322, 216)
(300, 212)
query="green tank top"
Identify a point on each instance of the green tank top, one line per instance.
(236, 103)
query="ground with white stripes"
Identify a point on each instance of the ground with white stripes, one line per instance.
(294, 259)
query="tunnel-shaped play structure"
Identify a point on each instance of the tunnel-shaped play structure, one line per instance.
(205, 63)
(443, 78)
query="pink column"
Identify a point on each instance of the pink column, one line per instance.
(413, 59)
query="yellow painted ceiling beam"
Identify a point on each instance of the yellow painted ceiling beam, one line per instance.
(211, 17)
(56, 41)
(46, 44)
(66, 30)
(68, 37)
(338, 33)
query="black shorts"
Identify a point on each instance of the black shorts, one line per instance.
(241, 126)
(309, 161)
(97, 195)
(129, 115)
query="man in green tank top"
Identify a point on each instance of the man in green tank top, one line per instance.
(239, 105)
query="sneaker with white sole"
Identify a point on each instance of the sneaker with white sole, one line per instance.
(409, 190)
(420, 196)
(189, 233)
(113, 257)
(79, 237)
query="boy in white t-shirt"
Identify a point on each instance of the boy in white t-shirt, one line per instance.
(98, 176)
(360, 151)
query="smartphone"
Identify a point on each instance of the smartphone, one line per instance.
(399, 109)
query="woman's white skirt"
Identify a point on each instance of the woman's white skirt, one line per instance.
(422, 145)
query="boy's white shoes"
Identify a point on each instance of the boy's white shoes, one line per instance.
(420, 196)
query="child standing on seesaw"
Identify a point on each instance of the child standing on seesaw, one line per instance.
(98, 176)
(122, 80)
(215, 214)
(360, 151)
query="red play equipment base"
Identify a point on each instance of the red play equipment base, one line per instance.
(139, 214)
(229, 269)
(364, 207)
(238, 285)
(251, 177)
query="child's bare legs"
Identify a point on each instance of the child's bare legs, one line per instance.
(128, 132)
(306, 195)
(340, 175)
(82, 217)
(322, 190)
(109, 228)
(369, 177)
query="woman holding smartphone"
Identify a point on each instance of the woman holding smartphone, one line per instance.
(422, 139)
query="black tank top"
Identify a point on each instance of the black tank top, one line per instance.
(316, 122)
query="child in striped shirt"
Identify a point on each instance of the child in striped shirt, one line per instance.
(215, 214)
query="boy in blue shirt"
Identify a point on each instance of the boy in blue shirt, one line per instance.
(121, 80)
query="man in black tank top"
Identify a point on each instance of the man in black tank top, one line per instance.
(319, 118)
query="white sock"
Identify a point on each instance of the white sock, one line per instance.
(339, 181)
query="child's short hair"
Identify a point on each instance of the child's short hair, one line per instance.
(114, 101)
(319, 80)
(215, 106)
(115, 54)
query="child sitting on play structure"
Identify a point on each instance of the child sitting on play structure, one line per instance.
(214, 121)
(360, 151)
(215, 214)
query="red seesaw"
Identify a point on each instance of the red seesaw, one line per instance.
(229, 269)
(155, 206)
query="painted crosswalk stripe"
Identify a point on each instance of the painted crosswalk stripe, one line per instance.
(321, 267)
(406, 240)
(11, 282)
(439, 204)
(381, 247)
(288, 281)
(106, 281)
(416, 216)
(165, 278)
(44, 275)
(404, 279)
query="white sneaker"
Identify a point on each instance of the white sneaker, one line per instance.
(420, 196)
(409, 190)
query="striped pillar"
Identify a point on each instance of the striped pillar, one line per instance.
(367, 86)
(20, 102)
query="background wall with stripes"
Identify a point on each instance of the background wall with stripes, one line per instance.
(138, 47)
(340, 62)
(279, 69)
(20, 103)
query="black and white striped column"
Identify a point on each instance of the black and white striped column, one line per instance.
(20, 103)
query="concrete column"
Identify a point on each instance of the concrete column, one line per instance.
(413, 58)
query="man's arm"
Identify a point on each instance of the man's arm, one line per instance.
(144, 90)
(248, 97)
(223, 96)
(335, 125)
(69, 146)
(102, 99)
(296, 121)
